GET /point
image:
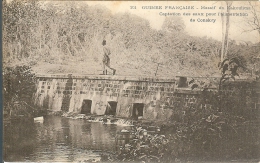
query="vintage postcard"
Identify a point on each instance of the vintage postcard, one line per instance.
(131, 81)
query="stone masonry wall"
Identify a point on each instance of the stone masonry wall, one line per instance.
(161, 97)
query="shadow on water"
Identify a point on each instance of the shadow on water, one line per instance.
(18, 138)
(58, 139)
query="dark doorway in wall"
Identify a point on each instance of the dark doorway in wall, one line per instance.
(182, 82)
(111, 108)
(138, 109)
(86, 107)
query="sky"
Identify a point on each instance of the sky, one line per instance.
(201, 29)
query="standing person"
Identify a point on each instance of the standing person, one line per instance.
(106, 59)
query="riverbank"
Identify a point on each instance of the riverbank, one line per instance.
(219, 137)
(211, 138)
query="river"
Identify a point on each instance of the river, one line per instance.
(58, 139)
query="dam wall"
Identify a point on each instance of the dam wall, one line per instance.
(127, 96)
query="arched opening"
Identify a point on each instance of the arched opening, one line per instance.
(138, 109)
(111, 108)
(86, 107)
(182, 82)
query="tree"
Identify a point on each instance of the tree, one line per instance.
(225, 29)
(253, 21)
(229, 68)
(173, 24)
(19, 85)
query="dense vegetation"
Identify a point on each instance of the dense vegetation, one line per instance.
(19, 86)
(65, 34)
(68, 33)
(224, 132)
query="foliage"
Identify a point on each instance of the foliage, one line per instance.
(173, 24)
(216, 132)
(254, 19)
(65, 32)
(19, 84)
(229, 68)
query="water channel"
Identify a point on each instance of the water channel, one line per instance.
(59, 139)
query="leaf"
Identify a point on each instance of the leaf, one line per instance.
(222, 63)
(192, 81)
(194, 86)
(142, 156)
(234, 60)
(224, 79)
(212, 129)
(224, 68)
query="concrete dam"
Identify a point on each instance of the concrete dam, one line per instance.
(128, 96)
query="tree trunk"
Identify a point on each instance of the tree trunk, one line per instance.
(223, 34)
(225, 27)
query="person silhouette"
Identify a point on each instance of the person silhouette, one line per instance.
(106, 59)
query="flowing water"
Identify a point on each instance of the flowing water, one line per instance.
(59, 139)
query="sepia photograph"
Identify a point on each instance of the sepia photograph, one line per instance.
(131, 81)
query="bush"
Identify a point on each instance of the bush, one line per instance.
(19, 85)
(199, 134)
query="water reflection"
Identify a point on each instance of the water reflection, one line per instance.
(58, 139)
